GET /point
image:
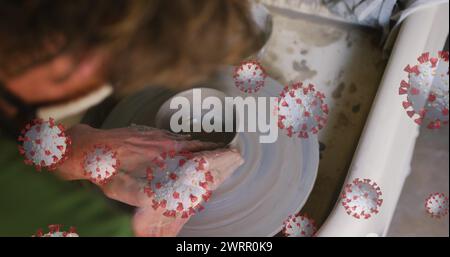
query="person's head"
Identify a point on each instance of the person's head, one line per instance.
(56, 50)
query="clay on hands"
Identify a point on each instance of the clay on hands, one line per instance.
(148, 221)
(134, 148)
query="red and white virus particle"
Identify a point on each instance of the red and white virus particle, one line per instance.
(301, 110)
(100, 164)
(55, 231)
(427, 90)
(299, 226)
(437, 205)
(249, 76)
(362, 198)
(44, 144)
(178, 183)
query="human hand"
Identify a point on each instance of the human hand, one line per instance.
(149, 221)
(135, 147)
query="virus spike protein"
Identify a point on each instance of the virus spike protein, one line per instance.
(44, 144)
(249, 76)
(178, 183)
(362, 198)
(299, 226)
(437, 205)
(55, 231)
(100, 164)
(301, 110)
(427, 90)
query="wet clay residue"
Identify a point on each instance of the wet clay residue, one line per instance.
(223, 138)
(272, 56)
(348, 39)
(349, 44)
(337, 93)
(342, 120)
(340, 74)
(290, 50)
(356, 108)
(304, 70)
(380, 64)
(352, 88)
(311, 33)
(322, 147)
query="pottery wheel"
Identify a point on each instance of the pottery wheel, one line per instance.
(274, 182)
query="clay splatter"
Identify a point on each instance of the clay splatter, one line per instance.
(272, 56)
(322, 148)
(352, 88)
(348, 39)
(304, 70)
(356, 108)
(337, 93)
(343, 120)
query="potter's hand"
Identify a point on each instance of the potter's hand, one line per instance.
(134, 145)
(128, 188)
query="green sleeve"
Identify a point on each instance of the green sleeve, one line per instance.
(30, 200)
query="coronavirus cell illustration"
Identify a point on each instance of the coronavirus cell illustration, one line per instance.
(44, 144)
(55, 231)
(178, 183)
(301, 110)
(437, 205)
(427, 90)
(299, 226)
(100, 164)
(362, 198)
(249, 76)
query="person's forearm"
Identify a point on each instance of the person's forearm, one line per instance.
(136, 148)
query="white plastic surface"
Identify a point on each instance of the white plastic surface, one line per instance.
(385, 148)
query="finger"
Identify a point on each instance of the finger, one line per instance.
(196, 145)
(154, 148)
(150, 222)
(150, 131)
(174, 145)
(145, 134)
(165, 134)
(222, 163)
(139, 145)
(177, 135)
(127, 189)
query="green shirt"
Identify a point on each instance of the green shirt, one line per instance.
(30, 200)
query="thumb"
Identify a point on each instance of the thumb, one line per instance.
(222, 163)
